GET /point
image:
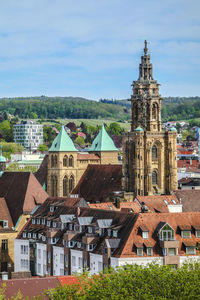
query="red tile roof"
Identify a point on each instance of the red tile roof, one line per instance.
(35, 286)
(81, 156)
(152, 221)
(98, 182)
(156, 203)
(183, 163)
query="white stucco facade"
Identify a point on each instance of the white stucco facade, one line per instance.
(117, 262)
(58, 261)
(41, 259)
(22, 255)
(96, 263)
(76, 261)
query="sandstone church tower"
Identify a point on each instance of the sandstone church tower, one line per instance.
(149, 153)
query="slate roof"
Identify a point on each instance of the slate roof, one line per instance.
(62, 142)
(22, 192)
(190, 199)
(103, 142)
(4, 213)
(41, 174)
(98, 182)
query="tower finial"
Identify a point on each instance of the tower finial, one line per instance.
(145, 47)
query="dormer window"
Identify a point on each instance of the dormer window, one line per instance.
(43, 221)
(90, 247)
(145, 234)
(54, 224)
(24, 234)
(90, 229)
(34, 235)
(149, 251)
(109, 232)
(197, 233)
(139, 249)
(51, 208)
(48, 223)
(185, 231)
(115, 233)
(190, 247)
(70, 226)
(77, 228)
(44, 238)
(38, 221)
(166, 233)
(29, 235)
(71, 244)
(33, 221)
(79, 245)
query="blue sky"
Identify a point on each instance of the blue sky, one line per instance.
(92, 48)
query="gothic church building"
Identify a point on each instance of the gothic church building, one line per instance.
(149, 153)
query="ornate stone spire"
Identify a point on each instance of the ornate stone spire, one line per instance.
(145, 69)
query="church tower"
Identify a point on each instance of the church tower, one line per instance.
(149, 153)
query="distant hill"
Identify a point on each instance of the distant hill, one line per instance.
(173, 108)
(62, 107)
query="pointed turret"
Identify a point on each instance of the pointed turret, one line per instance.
(146, 69)
(62, 143)
(103, 142)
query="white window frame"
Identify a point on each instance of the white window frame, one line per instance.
(197, 233)
(172, 253)
(184, 235)
(149, 251)
(139, 251)
(33, 221)
(145, 235)
(24, 234)
(54, 224)
(189, 248)
(43, 222)
(49, 223)
(115, 233)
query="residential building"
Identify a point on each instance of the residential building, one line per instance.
(149, 153)
(20, 193)
(67, 240)
(28, 134)
(66, 165)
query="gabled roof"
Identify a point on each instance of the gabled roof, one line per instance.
(62, 142)
(4, 212)
(22, 192)
(103, 142)
(98, 182)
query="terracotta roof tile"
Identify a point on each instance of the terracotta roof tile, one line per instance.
(157, 203)
(81, 156)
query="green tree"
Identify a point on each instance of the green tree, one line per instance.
(6, 130)
(79, 141)
(43, 147)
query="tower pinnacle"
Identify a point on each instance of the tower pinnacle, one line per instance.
(145, 47)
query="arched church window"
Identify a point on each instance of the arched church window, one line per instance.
(52, 161)
(65, 186)
(154, 152)
(54, 185)
(71, 161)
(154, 111)
(65, 161)
(154, 177)
(71, 183)
(55, 160)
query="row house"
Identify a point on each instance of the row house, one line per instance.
(62, 240)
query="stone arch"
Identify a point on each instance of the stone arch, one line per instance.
(71, 161)
(65, 161)
(155, 111)
(154, 177)
(65, 186)
(71, 183)
(154, 152)
(54, 185)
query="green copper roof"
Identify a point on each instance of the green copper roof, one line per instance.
(173, 129)
(2, 158)
(139, 129)
(103, 142)
(62, 142)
